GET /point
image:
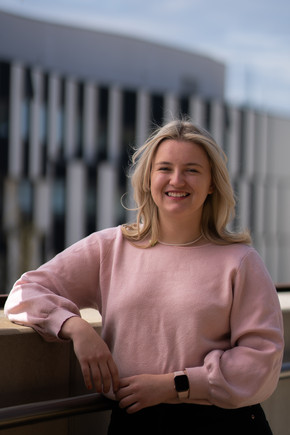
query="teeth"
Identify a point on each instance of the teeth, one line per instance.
(177, 194)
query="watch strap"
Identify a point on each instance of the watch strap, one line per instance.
(181, 394)
(179, 373)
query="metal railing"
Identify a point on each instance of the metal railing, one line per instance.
(30, 413)
(38, 412)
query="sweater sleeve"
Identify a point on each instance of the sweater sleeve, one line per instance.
(45, 298)
(248, 372)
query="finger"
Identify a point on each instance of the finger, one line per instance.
(105, 377)
(95, 375)
(114, 375)
(122, 393)
(134, 408)
(127, 401)
(87, 376)
(124, 389)
(130, 404)
(124, 382)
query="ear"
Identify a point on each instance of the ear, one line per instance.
(211, 189)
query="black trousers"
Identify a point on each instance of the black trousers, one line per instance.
(190, 419)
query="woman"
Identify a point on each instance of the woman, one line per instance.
(192, 335)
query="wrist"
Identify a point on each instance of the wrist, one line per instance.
(71, 326)
(181, 384)
(166, 388)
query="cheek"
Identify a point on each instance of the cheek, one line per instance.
(156, 187)
(205, 186)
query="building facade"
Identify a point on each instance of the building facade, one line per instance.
(68, 125)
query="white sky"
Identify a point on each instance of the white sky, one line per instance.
(252, 37)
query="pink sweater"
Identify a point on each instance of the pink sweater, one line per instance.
(210, 309)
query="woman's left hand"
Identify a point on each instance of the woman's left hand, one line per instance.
(140, 391)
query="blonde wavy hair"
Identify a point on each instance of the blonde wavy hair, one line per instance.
(219, 207)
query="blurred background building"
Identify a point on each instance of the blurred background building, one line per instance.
(73, 103)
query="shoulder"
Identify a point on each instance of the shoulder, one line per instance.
(248, 264)
(107, 235)
(234, 250)
(104, 239)
(238, 255)
(97, 243)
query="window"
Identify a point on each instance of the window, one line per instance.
(79, 120)
(183, 106)
(44, 124)
(61, 120)
(4, 116)
(27, 96)
(3, 263)
(207, 115)
(242, 144)
(58, 228)
(91, 200)
(103, 106)
(128, 130)
(25, 199)
(157, 110)
(4, 130)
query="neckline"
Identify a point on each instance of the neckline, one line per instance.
(181, 244)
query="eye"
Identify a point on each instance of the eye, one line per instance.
(193, 171)
(164, 168)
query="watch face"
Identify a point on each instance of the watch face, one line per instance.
(181, 383)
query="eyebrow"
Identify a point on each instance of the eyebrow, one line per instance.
(186, 164)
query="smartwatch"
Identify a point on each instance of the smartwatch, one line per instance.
(181, 384)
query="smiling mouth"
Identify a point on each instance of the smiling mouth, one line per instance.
(177, 194)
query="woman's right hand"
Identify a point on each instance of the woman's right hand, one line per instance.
(96, 361)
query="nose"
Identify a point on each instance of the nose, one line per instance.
(176, 178)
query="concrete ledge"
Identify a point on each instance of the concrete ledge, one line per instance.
(284, 298)
(8, 328)
(34, 370)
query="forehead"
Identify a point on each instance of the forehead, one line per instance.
(177, 150)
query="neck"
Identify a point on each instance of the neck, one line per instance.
(179, 233)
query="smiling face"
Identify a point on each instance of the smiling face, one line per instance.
(180, 181)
